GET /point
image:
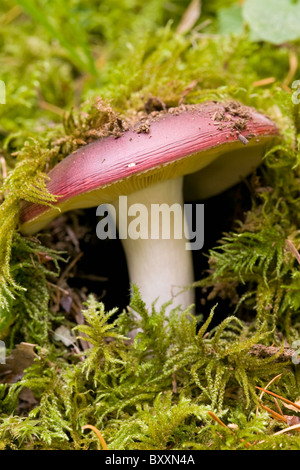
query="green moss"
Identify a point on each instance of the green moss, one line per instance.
(135, 404)
(72, 74)
(143, 395)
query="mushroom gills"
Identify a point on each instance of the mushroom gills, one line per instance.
(225, 171)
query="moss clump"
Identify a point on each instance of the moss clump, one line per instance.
(86, 79)
(154, 393)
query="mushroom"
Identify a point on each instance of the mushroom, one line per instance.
(215, 142)
(233, 165)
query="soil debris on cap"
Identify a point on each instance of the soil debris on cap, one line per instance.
(144, 127)
(233, 112)
(154, 104)
(237, 109)
(220, 116)
(240, 124)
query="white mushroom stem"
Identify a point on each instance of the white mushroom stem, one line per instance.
(161, 268)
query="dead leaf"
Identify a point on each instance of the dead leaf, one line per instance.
(295, 407)
(66, 303)
(63, 334)
(20, 359)
(27, 400)
(292, 420)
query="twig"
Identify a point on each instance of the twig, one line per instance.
(293, 62)
(264, 82)
(293, 249)
(263, 351)
(291, 428)
(215, 418)
(281, 398)
(99, 435)
(69, 267)
(190, 16)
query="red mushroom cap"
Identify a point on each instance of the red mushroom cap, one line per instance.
(175, 143)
